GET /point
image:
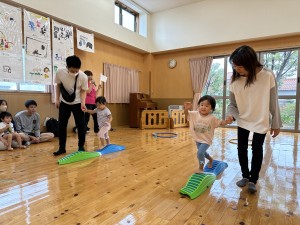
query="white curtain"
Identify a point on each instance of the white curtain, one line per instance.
(121, 81)
(200, 68)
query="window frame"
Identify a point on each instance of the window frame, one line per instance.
(135, 15)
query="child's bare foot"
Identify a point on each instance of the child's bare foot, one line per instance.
(10, 149)
(199, 171)
(23, 146)
(210, 162)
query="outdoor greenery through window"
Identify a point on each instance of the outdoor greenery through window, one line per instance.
(125, 16)
(284, 64)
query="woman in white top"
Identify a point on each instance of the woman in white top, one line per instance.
(253, 98)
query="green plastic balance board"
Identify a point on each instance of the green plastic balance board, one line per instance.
(77, 156)
(197, 184)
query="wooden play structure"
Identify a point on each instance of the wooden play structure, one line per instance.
(157, 119)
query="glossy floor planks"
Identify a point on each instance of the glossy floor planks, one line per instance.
(141, 184)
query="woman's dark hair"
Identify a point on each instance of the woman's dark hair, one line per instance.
(5, 114)
(245, 56)
(101, 100)
(2, 100)
(88, 73)
(210, 99)
(73, 61)
(29, 103)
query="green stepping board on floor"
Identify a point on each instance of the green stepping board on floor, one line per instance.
(197, 184)
(77, 156)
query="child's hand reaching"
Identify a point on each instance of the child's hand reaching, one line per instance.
(229, 119)
(187, 105)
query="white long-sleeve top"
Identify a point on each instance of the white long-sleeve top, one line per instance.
(255, 107)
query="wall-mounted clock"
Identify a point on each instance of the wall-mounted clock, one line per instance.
(172, 63)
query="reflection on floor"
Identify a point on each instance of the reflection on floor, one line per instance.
(141, 184)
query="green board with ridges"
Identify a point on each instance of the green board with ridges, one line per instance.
(197, 184)
(77, 156)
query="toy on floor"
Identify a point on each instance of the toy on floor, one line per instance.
(77, 156)
(164, 135)
(110, 149)
(198, 183)
(217, 167)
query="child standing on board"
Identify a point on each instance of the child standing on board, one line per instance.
(7, 131)
(202, 127)
(104, 119)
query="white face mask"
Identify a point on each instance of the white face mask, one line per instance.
(73, 74)
(3, 108)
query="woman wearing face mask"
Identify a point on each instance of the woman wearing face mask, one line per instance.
(3, 108)
(91, 95)
(3, 105)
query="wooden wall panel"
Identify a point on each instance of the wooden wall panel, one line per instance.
(176, 83)
(166, 86)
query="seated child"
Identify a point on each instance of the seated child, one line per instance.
(7, 131)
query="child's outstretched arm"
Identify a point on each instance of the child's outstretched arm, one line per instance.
(89, 111)
(187, 108)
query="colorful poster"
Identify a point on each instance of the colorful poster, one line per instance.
(62, 44)
(11, 69)
(62, 47)
(10, 43)
(85, 41)
(38, 67)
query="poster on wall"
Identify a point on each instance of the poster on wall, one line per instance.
(62, 44)
(85, 41)
(62, 47)
(10, 43)
(38, 67)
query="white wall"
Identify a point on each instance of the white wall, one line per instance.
(94, 15)
(199, 24)
(217, 21)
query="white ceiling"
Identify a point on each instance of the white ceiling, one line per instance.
(154, 6)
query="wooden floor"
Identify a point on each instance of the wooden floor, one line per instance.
(141, 184)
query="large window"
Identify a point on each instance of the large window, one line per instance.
(23, 86)
(284, 63)
(126, 17)
(285, 66)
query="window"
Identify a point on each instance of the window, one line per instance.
(284, 64)
(126, 17)
(22, 86)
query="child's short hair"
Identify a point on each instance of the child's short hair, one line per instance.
(5, 114)
(88, 73)
(101, 100)
(73, 61)
(210, 99)
(29, 103)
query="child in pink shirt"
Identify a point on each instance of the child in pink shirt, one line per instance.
(202, 127)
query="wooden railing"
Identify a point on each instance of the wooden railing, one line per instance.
(154, 119)
(178, 119)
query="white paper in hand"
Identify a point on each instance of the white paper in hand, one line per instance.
(103, 78)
